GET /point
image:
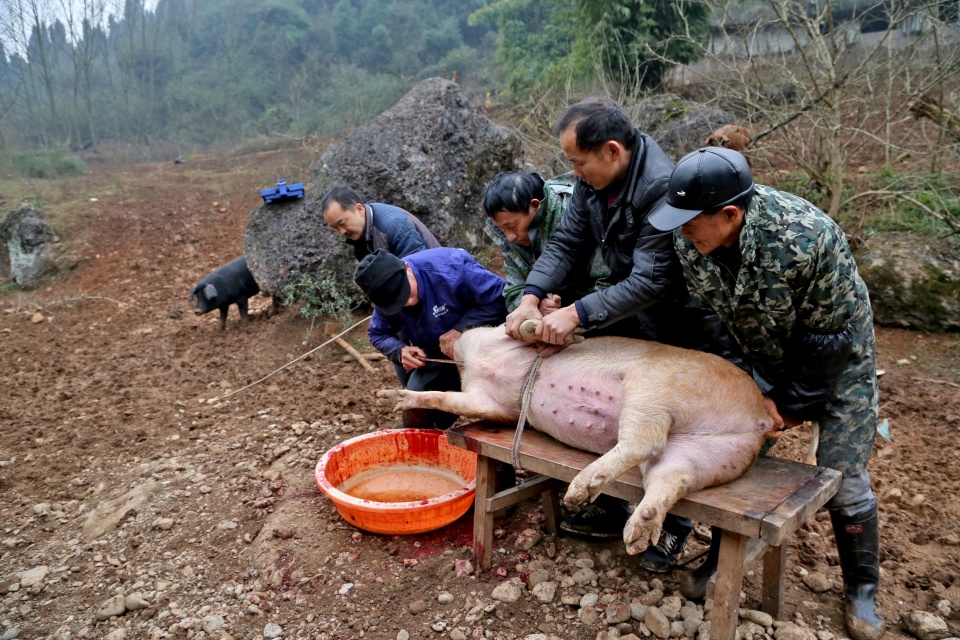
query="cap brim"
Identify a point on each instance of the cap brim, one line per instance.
(400, 301)
(668, 217)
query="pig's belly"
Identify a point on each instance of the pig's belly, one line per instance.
(583, 414)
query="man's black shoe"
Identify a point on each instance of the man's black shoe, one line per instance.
(663, 556)
(602, 519)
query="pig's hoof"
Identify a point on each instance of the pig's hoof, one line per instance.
(639, 536)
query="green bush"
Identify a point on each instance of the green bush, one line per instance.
(48, 164)
(322, 296)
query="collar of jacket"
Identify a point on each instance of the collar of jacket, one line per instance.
(368, 225)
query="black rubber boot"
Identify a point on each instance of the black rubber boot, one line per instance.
(858, 542)
(694, 585)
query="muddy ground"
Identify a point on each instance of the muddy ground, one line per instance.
(106, 385)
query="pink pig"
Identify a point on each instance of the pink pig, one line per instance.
(689, 419)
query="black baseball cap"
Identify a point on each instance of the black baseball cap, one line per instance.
(708, 178)
(383, 277)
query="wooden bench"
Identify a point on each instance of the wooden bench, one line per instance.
(756, 513)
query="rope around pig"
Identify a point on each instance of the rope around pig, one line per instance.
(525, 392)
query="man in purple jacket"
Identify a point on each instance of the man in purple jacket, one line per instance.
(421, 306)
(368, 227)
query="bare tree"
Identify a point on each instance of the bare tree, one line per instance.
(826, 83)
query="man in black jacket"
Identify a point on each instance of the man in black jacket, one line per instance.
(623, 176)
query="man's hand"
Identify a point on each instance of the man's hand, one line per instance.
(780, 423)
(549, 304)
(410, 358)
(527, 309)
(447, 341)
(555, 327)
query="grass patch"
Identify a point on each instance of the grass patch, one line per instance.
(48, 163)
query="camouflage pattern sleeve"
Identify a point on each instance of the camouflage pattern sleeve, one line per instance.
(830, 300)
(517, 263)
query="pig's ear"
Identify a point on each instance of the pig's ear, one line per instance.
(210, 291)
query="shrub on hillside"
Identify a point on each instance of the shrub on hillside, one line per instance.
(51, 163)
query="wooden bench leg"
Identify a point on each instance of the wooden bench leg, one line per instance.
(726, 599)
(550, 499)
(482, 518)
(774, 572)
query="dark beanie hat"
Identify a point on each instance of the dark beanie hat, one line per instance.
(383, 277)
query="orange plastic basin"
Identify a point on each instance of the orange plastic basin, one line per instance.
(400, 467)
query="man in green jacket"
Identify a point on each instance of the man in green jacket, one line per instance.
(523, 213)
(779, 273)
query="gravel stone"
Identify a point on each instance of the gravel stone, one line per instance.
(272, 630)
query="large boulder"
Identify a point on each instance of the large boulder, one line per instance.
(30, 249)
(679, 126)
(913, 283)
(431, 153)
(289, 238)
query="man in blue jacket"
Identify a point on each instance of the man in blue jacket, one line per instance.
(368, 227)
(422, 305)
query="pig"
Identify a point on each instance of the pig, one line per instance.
(689, 419)
(732, 136)
(230, 284)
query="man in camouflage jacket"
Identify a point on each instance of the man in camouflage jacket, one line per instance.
(523, 214)
(779, 273)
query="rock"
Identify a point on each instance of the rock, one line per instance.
(589, 616)
(584, 576)
(456, 634)
(135, 601)
(528, 539)
(508, 591)
(115, 606)
(617, 613)
(678, 125)
(652, 598)
(41, 508)
(817, 582)
(33, 577)
(589, 600)
(117, 634)
(791, 631)
(914, 282)
(29, 248)
(463, 567)
(670, 607)
(11, 633)
(924, 626)
(703, 631)
(403, 634)
(432, 154)
(544, 592)
(110, 514)
(163, 524)
(10, 584)
(657, 623)
(750, 631)
(638, 611)
(445, 598)
(272, 630)
(212, 624)
(418, 606)
(535, 577)
(763, 619)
